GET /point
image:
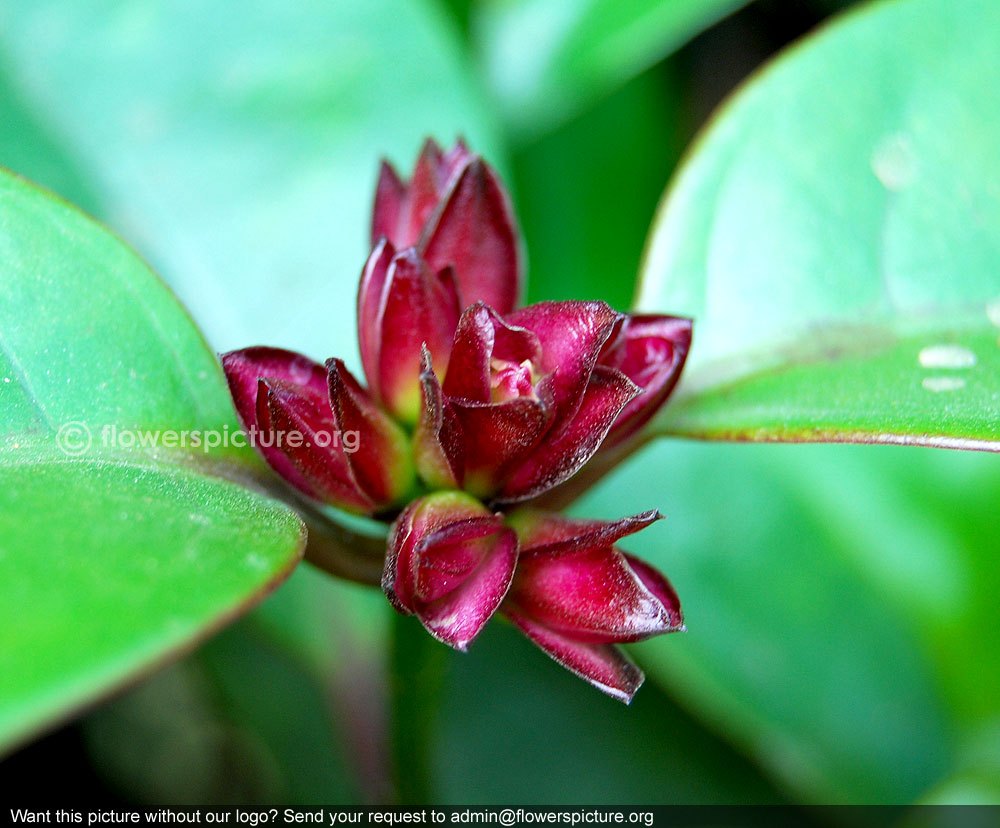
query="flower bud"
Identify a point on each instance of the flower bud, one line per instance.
(319, 430)
(650, 350)
(403, 305)
(576, 595)
(457, 214)
(524, 403)
(449, 562)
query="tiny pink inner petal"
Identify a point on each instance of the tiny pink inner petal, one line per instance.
(571, 335)
(509, 380)
(481, 337)
(460, 615)
(603, 665)
(565, 449)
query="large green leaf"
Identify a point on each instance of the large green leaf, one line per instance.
(111, 557)
(835, 235)
(835, 620)
(551, 738)
(547, 59)
(239, 151)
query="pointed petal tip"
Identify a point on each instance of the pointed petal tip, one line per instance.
(456, 643)
(430, 146)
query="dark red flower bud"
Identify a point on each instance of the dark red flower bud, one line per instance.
(346, 453)
(449, 562)
(650, 350)
(403, 305)
(402, 209)
(458, 214)
(576, 595)
(523, 400)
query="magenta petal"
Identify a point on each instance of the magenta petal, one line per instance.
(657, 584)
(453, 162)
(480, 336)
(572, 335)
(650, 350)
(423, 194)
(381, 464)
(498, 436)
(390, 196)
(549, 533)
(603, 665)
(244, 369)
(450, 561)
(420, 308)
(590, 595)
(310, 439)
(463, 517)
(473, 230)
(438, 442)
(460, 614)
(371, 304)
(448, 554)
(568, 446)
(397, 583)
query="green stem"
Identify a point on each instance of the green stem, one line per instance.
(418, 669)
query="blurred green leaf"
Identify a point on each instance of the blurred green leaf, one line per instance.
(239, 150)
(110, 559)
(517, 726)
(834, 234)
(245, 722)
(586, 191)
(547, 59)
(833, 617)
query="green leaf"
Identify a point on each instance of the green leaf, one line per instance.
(547, 59)
(585, 232)
(834, 620)
(835, 236)
(553, 738)
(239, 151)
(111, 557)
